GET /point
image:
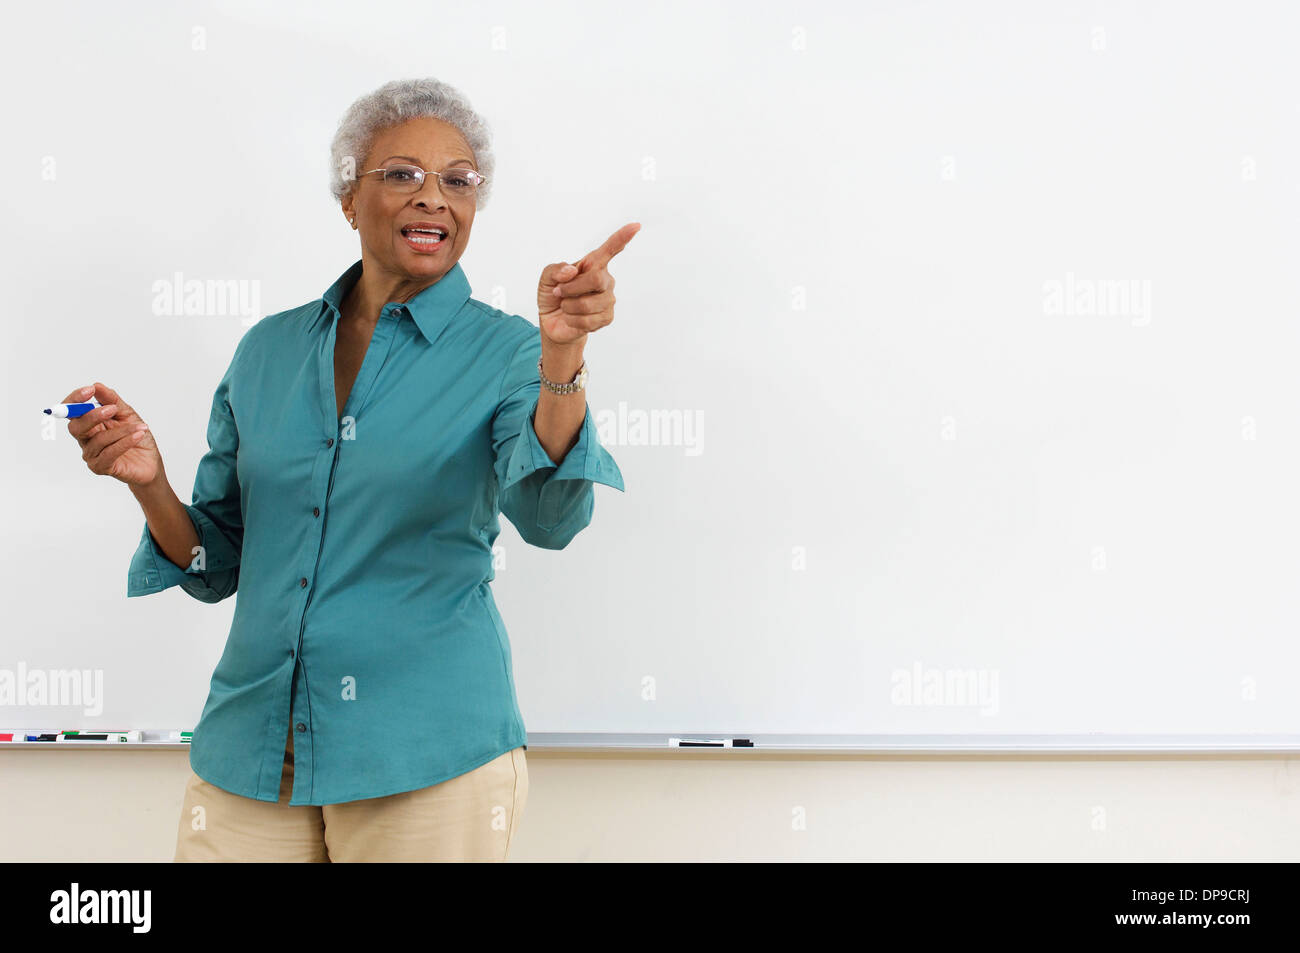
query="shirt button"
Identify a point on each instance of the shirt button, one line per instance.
(315, 511)
(302, 583)
(329, 442)
(300, 726)
(291, 653)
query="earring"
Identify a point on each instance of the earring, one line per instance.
(353, 221)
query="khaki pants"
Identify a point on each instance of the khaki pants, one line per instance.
(472, 817)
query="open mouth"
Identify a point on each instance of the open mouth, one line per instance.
(424, 238)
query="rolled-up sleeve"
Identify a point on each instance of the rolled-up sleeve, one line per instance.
(216, 512)
(548, 503)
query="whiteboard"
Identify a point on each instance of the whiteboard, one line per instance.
(952, 374)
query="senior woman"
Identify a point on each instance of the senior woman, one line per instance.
(361, 447)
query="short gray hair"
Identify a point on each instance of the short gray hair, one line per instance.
(395, 103)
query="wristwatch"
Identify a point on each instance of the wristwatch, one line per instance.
(578, 383)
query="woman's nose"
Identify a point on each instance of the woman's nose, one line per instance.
(431, 200)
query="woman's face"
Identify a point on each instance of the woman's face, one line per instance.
(382, 212)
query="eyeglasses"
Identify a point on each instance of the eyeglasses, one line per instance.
(410, 178)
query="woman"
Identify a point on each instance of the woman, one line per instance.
(361, 447)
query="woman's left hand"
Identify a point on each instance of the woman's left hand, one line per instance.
(573, 300)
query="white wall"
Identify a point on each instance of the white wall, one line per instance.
(124, 806)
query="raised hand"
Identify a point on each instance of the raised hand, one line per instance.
(573, 300)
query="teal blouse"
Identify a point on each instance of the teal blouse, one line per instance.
(361, 546)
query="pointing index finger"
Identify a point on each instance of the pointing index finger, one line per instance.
(613, 245)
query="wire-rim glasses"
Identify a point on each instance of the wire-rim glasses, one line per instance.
(410, 178)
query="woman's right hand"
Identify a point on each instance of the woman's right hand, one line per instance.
(114, 440)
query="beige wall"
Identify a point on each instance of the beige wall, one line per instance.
(123, 806)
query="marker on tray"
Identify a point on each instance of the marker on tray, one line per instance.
(107, 737)
(710, 743)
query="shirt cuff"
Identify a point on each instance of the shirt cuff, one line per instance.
(586, 460)
(151, 571)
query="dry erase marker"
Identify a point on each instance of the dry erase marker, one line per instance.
(710, 743)
(17, 737)
(70, 410)
(107, 737)
(45, 736)
(180, 737)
